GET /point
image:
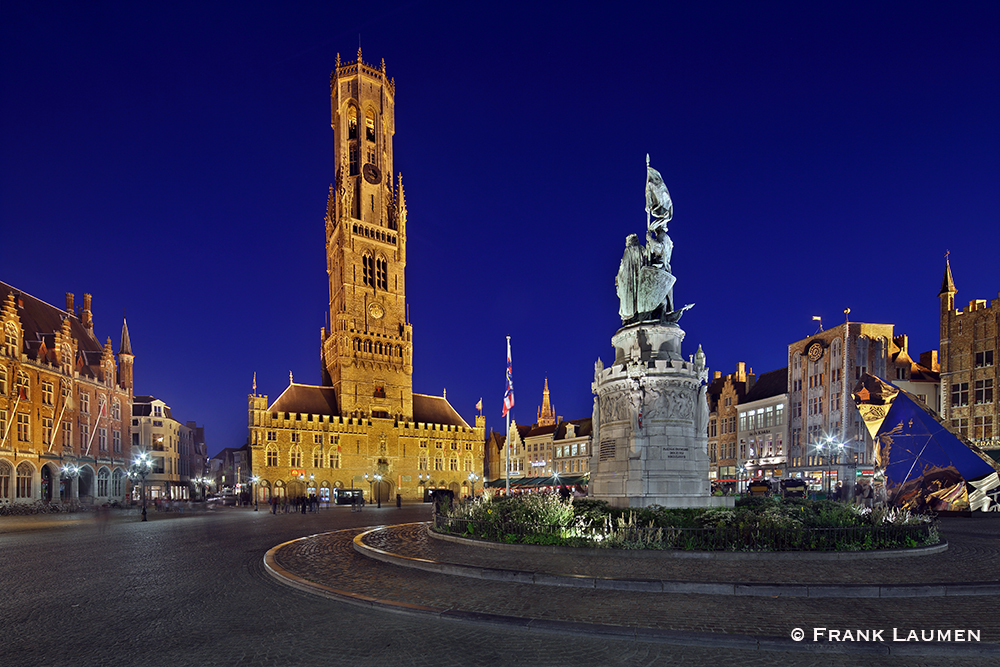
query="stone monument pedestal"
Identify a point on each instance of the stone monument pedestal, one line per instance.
(650, 423)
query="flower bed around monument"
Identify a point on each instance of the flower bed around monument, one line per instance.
(755, 524)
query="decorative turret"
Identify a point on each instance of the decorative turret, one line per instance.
(125, 359)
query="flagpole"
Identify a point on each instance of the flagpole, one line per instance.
(507, 465)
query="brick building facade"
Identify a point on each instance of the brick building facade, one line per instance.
(65, 403)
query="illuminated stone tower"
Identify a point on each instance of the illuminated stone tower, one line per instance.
(367, 353)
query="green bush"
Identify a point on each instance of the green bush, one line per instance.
(754, 524)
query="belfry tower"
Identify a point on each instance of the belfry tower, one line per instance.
(367, 355)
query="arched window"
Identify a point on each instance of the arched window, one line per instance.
(102, 482)
(3, 380)
(381, 273)
(24, 473)
(370, 125)
(357, 344)
(116, 410)
(368, 270)
(317, 457)
(271, 455)
(352, 122)
(368, 346)
(5, 473)
(10, 339)
(117, 483)
(295, 457)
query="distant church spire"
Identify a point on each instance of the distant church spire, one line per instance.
(126, 344)
(546, 416)
(948, 284)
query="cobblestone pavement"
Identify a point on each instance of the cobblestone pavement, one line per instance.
(184, 590)
(330, 560)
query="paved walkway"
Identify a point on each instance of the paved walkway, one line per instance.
(944, 592)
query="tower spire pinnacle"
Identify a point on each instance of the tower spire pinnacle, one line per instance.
(546, 416)
(948, 283)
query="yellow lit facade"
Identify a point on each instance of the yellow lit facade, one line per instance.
(363, 419)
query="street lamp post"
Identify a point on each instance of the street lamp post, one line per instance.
(253, 489)
(71, 472)
(378, 498)
(370, 488)
(141, 466)
(472, 478)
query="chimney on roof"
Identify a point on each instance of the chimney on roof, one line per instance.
(717, 375)
(86, 319)
(741, 371)
(929, 360)
(69, 302)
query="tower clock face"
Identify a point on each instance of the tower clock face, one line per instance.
(371, 173)
(815, 352)
(376, 311)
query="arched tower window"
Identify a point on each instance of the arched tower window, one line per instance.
(370, 125)
(381, 273)
(368, 270)
(352, 122)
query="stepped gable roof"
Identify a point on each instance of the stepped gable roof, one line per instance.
(435, 410)
(768, 385)
(307, 399)
(583, 427)
(39, 319)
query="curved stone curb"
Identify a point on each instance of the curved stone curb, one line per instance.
(694, 555)
(656, 635)
(668, 586)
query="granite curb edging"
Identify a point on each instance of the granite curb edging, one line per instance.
(672, 586)
(655, 635)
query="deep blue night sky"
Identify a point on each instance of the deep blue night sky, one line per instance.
(173, 159)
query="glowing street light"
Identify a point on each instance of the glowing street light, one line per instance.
(253, 489)
(142, 465)
(472, 478)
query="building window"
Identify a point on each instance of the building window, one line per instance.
(116, 438)
(370, 125)
(24, 481)
(102, 442)
(352, 123)
(47, 393)
(317, 458)
(353, 160)
(368, 270)
(423, 463)
(271, 455)
(983, 427)
(116, 410)
(318, 439)
(961, 425)
(10, 339)
(984, 391)
(984, 359)
(439, 464)
(453, 465)
(295, 457)
(381, 273)
(84, 403)
(102, 482)
(23, 427)
(117, 479)
(3, 381)
(959, 394)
